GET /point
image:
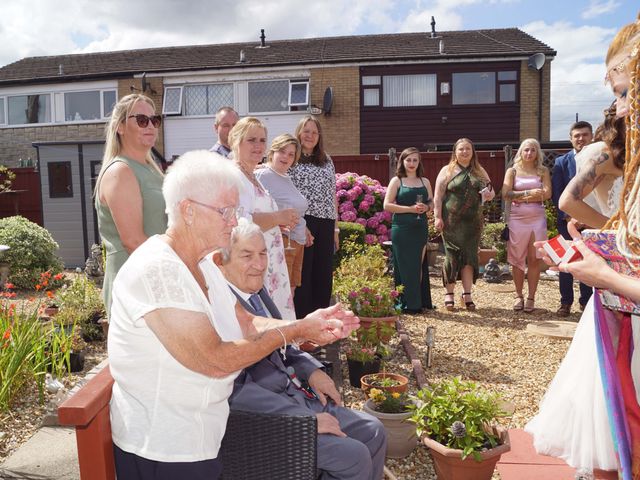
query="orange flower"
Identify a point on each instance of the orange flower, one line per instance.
(7, 334)
(38, 287)
(58, 276)
(9, 286)
(50, 294)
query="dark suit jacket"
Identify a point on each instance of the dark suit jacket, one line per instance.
(265, 385)
(564, 169)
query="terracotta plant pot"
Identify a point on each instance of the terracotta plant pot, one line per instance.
(366, 322)
(367, 380)
(486, 254)
(432, 253)
(449, 465)
(358, 369)
(401, 434)
(51, 311)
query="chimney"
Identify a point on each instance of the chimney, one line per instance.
(262, 38)
(242, 57)
(60, 70)
(441, 47)
(433, 27)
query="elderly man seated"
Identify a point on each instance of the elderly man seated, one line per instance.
(351, 444)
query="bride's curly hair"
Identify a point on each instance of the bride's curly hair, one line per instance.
(612, 131)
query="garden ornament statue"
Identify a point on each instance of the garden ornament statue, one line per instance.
(492, 272)
(93, 265)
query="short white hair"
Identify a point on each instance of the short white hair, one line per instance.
(244, 229)
(200, 175)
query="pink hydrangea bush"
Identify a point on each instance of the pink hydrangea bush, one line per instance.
(360, 200)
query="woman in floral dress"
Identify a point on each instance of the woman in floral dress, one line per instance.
(248, 140)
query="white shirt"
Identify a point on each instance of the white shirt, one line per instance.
(161, 410)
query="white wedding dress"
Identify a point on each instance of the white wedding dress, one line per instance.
(572, 423)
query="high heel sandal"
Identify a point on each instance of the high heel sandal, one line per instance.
(470, 305)
(449, 304)
(529, 306)
(519, 305)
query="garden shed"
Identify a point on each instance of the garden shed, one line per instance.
(68, 171)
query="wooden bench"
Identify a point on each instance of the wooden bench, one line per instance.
(255, 446)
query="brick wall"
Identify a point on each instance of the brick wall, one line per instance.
(15, 143)
(341, 128)
(529, 90)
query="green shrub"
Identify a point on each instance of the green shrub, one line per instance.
(551, 213)
(490, 238)
(349, 233)
(32, 251)
(82, 303)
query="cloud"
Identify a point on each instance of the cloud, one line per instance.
(577, 72)
(595, 8)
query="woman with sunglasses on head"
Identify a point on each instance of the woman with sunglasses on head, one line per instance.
(128, 193)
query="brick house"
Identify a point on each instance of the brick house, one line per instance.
(370, 92)
(388, 90)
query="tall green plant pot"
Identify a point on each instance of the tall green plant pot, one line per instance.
(401, 434)
(358, 369)
(449, 465)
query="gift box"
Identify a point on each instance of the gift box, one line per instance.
(560, 250)
(603, 242)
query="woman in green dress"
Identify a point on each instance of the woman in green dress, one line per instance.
(409, 198)
(461, 188)
(128, 193)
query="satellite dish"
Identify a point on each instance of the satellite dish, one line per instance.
(327, 101)
(536, 61)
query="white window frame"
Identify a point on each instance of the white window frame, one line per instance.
(63, 116)
(28, 94)
(165, 111)
(306, 100)
(3, 117)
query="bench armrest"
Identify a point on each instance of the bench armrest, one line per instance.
(84, 405)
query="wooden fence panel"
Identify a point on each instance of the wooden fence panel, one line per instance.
(25, 198)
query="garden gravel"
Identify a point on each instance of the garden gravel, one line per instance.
(489, 346)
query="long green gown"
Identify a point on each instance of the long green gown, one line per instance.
(409, 237)
(154, 221)
(462, 216)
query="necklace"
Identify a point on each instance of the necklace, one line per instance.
(250, 175)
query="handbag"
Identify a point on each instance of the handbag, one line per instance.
(504, 235)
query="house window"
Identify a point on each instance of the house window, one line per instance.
(81, 106)
(269, 96)
(207, 99)
(109, 100)
(172, 102)
(26, 109)
(371, 97)
(299, 94)
(507, 86)
(408, 90)
(473, 88)
(2, 117)
(60, 181)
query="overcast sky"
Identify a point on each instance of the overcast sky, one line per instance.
(579, 31)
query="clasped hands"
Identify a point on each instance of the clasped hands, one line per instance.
(326, 325)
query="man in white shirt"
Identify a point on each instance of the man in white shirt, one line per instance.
(226, 118)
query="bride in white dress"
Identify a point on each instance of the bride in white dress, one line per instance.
(572, 423)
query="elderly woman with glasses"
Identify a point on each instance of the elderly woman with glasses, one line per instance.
(128, 193)
(178, 338)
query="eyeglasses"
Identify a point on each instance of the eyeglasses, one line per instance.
(143, 120)
(621, 66)
(227, 213)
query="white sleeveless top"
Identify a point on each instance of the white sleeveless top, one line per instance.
(606, 198)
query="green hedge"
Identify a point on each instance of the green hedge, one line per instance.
(352, 232)
(32, 251)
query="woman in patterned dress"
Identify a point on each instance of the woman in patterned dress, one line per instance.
(248, 140)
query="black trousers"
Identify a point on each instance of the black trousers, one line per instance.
(130, 466)
(317, 268)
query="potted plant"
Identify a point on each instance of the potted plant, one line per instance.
(78, 346)
(457, 421)
(385, 381)
(361, 360)
(360, 282)
(393, 410)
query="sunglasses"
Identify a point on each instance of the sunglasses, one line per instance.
(143, 120)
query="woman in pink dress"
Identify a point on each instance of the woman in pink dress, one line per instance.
(526, 186)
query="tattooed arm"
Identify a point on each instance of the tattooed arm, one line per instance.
(586, 180)
(508, 193)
